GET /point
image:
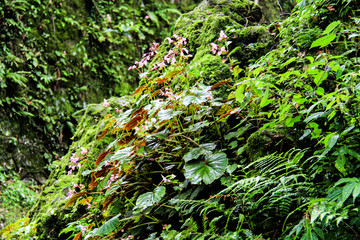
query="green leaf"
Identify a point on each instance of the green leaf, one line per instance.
(167, 114)
(150, 198)
(264, 100)
(122, 154)
(108, 226)
(314, 116)
(347, 190)
(330, 27)
(194, 153)
(306, 133)
(330, 140)
(154, 18)
(356, 191)
(207, 170)
(323, 41)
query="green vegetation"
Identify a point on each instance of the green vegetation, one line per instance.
(16, 197)
(59, 56)
(239, 129)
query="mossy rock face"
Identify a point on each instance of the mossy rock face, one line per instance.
(246, 40)
(262, 143)
(49, 211)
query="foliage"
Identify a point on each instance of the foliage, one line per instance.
(266, 150)
(59, 56)
(16, 197)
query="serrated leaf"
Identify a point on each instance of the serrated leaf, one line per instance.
(150, 198)
(207, 170)
(108, 226)
(323, 41)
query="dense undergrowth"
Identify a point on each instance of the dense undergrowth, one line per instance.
(59, 56)
(215, 144)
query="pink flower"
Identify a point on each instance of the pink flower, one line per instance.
(214, 48)
(83, 150)
(74, 158)
(83, 228)
(147, 17)
(222, 36)
(221, 51)
(108, 18)
(106, 104)
(170, 40)
(165, 179)
(132, 67)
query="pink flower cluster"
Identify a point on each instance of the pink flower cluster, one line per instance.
(74, 159)
(170, 57)
(128, 238)
(146, 57)
(112, 179)
(106, 103)
(73, 191)
(216, 49)
(169, 94)
(167, 179)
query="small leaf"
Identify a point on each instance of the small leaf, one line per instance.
(313, 116)
(347, 190)
(323, 41)
(356, 191)
(330, 27)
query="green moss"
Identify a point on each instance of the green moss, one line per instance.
(49, 211)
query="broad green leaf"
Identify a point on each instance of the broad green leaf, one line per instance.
(108, 226)
(330, 27)
(167, 114)
(207, 170)
(319, 232)
(150, 198)
(122, 154)
(323, 41)
(208, 146)
(320, 77)
(195, 127)
(340, 164)
(154, 18)
(194, 153)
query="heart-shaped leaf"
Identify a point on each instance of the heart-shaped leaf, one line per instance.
(207, 170)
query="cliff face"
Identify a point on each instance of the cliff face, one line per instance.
(239, 129)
